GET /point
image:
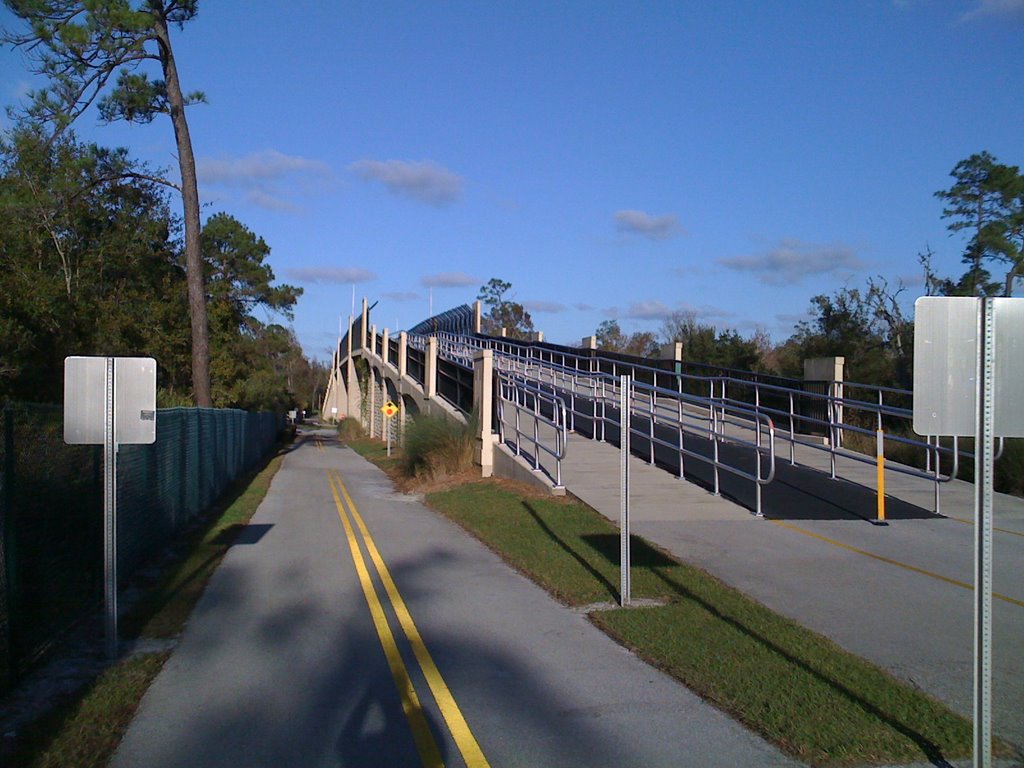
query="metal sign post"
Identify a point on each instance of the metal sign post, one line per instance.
(983, 466)
(969, 381)
(625, 385)
(110, 513)
(389, 409)
(109, 401)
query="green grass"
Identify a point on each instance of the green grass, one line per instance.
(376, 451)
(164, 609)
(84, 732)
(793, 686)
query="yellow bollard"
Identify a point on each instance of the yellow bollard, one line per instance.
(880, 461)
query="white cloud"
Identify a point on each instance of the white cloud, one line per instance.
(714, 313)
(648, 310)
(792, 260)
(266, 165)
(401, 296)
(549, 307)
(646, 225)
(270, 178)
(448, 280)
(339, 275)
(653, 309)
(424, 181)
(582, 307)
(993, 8)
(262, 199)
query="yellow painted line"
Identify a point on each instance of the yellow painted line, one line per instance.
(457, 725)
(319, 445)
(890, 561)
(430, 755)
(971, 523)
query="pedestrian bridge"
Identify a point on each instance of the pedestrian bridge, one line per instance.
(770, 484)
(732, 432)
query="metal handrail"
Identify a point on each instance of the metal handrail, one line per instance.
(712, 427)
(525, 397)
(575, 374)
(601, 389)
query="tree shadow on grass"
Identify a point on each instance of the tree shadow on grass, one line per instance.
(930, 749)
(569, 550)
(645, 557)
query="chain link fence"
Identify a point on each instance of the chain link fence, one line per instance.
(51, 510)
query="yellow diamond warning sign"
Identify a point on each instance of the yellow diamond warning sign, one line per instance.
(389, 409)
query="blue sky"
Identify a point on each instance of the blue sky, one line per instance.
(610, 160)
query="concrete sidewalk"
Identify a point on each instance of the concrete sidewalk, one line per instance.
(280, 664)
(806, 560)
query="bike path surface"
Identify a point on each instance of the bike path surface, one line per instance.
(282, 664)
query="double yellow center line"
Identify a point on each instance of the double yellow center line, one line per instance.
(426, 745)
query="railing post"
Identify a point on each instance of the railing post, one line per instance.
(625, 564)
(364, 321)
(430, 369)
(679, 424)
(403, 354)
(536, 433)
(483, 407)
(653, 406)
(792, 437)
(757, 416)
(832, 430)
(371, 393)
(517, 394)
(385, 350)
(714, 443)
(830, 369)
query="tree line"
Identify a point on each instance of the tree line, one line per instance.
(93, 264)
(94, 260)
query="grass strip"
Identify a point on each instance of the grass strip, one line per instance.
(164, 609)
(376, 451)
(84, 732)
(796, 688)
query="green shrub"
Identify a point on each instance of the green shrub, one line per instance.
(436, 446)
(349, 428)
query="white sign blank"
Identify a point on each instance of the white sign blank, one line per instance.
(85, 394)
(946, 332)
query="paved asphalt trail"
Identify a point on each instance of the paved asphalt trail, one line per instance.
(281, 663)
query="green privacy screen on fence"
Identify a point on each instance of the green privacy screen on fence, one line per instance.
(51, 509)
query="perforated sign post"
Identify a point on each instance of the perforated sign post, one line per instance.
(109, 401)
(969, 380)
(389, 409)
(625, 427)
